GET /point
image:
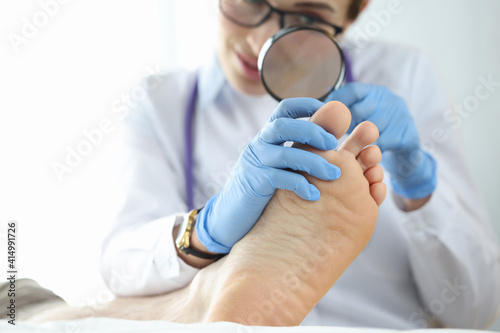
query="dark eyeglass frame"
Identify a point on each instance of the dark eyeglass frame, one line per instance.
(282, 13)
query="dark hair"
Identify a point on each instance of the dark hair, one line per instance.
(355, 9)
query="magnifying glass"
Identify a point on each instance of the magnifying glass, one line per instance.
(301, 62)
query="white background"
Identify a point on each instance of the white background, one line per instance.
(62, 82)
(65, 79)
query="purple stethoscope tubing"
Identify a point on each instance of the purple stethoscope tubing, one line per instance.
(188, 131)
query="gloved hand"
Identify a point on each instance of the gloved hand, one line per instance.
(413, 171)
(261, 169)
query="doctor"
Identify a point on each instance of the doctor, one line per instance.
(206, 147)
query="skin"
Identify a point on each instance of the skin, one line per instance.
(282, 268)
(297, 250)
(234, 39)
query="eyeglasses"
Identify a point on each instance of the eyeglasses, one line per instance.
(252, 13)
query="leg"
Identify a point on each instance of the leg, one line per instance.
(30, 298)
(281, 269)
(278, 272)
(186, 305)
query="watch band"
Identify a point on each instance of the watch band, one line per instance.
(184, 244)
(193, 252)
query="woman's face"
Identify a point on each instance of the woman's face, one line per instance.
(238, 47)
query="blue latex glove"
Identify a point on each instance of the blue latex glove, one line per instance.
(413, 171)
(262, 168)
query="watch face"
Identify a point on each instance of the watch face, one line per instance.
(182, 231)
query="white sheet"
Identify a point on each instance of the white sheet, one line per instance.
(107, 325)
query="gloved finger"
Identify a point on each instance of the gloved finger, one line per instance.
(284, 129)
(413, 172)
(350, 93)
(390, 163)
(391, 112)
(296, 108)
(370, 109)
(381, 107)
(403, 136)
(298, 160)
(360, 99)
(288, 180)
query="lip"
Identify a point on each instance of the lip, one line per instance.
(249, 66)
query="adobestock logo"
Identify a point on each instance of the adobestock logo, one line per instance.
(437, 306)
(30, 27)
(484, 90)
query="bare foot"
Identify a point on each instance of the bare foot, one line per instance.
(297, 250)
(282, 268)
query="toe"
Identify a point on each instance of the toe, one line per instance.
(369, 157)
(363, 135)
(334, 117)
(378, 192)
(374, 174)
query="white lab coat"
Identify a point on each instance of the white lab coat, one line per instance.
(441, 259)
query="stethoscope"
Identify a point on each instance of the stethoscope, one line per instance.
(307, 66)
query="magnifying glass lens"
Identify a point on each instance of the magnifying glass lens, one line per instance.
(301, 62)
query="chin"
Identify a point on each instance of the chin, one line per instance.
(243, 84)
(250, 88)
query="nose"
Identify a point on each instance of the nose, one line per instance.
(258, 35)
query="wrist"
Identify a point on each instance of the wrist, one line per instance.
(410, 205)
(185, 239)
(197, 245)
(189, 259)
(202, 234)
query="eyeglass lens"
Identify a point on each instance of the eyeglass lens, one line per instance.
(252, 12)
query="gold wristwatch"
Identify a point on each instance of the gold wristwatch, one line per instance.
(184, 235)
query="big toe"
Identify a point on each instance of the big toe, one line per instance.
(334, 117)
